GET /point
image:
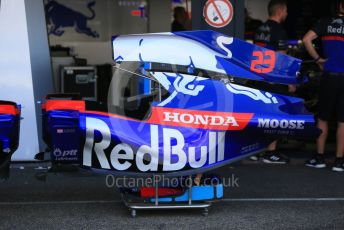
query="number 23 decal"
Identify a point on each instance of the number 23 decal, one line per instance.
(264, 62)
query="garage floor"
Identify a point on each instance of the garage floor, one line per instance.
(267, 197)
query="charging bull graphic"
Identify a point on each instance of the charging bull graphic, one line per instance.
(59, 16)
(221, 54)
(190, 85)
(143, 48)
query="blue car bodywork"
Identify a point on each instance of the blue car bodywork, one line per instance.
(9, 134)
(207, 116)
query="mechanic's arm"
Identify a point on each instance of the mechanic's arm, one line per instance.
(307, 41)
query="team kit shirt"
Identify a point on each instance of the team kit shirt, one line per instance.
(271, 35)
(331, 32)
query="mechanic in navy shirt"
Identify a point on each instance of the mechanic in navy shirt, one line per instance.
(271, 35)
(331, 96)
(180, 19)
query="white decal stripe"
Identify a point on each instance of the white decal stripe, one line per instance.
(221, 41)
(255, 94)
(169, 99)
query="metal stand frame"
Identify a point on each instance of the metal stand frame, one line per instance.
(134, 206)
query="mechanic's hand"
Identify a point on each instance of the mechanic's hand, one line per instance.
(321, 63)
(291, 88)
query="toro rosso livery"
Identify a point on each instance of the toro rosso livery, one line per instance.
(9, 134)
(191, 111)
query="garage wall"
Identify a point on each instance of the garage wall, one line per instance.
(25, 72)
(112, 18)
(159, 16)
(257, 9)
(95, 52)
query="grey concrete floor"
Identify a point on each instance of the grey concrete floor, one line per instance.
(267, 197)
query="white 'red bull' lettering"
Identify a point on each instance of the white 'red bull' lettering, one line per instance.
(103, 128)
(116, 156)
(192, 157)
(221, 146)
(176, 150)
(152, 150)
(335, 30)
(175, 157)
(212, 147)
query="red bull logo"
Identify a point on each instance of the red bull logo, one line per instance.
(175, 154)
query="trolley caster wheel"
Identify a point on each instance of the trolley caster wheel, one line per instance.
(205, 212)
(133, 213)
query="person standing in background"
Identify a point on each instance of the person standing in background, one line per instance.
(331, 96)
(271, 35)
(180, 18)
